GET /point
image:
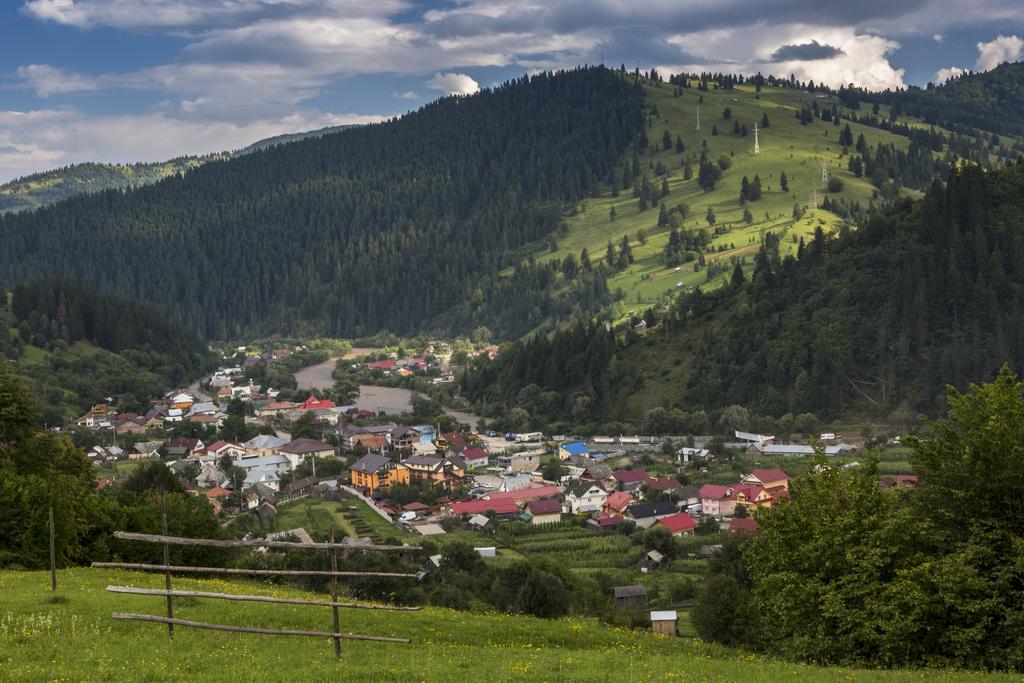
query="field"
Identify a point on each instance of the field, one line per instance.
(786, 146)
(350, 517)
(71, 636)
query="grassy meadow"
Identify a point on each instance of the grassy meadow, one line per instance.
(70, 636)
(786, 146)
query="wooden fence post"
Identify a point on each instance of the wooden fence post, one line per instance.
(53, 554)
(167, 563)
(334, 595)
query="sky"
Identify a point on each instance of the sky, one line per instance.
(148, 80)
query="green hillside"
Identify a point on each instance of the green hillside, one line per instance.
(71, 636)
(43, 189)
(872, 324)
(786, 146)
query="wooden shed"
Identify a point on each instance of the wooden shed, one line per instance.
(664, 622)
(630, 597)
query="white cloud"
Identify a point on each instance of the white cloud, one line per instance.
(407, 95)
(34, 140)
(943, 75)
(453, 83)
(938, 37)
(999, 50)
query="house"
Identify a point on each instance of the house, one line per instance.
(382, 364)
(204, 408)
(686, 455)
(455, 441)
(716, 500)
(475, 457)
(154, 418)
(276, 408)
(520, 462)
(298, 450)
(220, 448)
(604, 522)
(617, 503)
(181, 401)
(404, 437)
(629, 597)
(145, 450)
(503, 507)
(478, 522)
(218, 492)
(524, 495)
(264, 444)
(371, 442)
(664, 622)
(184, 446)
(278, 463)
(264, 476)
(209, 476)
(652, 561)
(679, 524)
(584, 496)
(630, 480)
(658, 485)
(899, 481)
(430, 470)
(768, 478)
(103, 454)
(744, 525)
(372, 472)
(571, 448)
(314, 403)
(300, 486)
(688, 495)
(417, 507)
(646, 514)
(544, 511)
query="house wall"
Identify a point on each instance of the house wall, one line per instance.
(546, 519)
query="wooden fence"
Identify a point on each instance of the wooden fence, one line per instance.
(167, 568)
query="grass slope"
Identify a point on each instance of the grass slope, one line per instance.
(71, 636)
(786, 145)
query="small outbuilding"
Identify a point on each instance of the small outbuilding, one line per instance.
(630, 597)
(664, 622)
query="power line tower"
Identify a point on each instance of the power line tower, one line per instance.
(824, 173)
(698, 118)
(757, 144)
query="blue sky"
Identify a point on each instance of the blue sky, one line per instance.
(144, 80)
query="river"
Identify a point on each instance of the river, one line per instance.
(387, 399)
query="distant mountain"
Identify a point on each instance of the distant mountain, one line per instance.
(416, 224)
(42, 189)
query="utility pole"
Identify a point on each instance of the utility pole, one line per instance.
(757, 144)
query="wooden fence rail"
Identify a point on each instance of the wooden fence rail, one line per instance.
(167, 568)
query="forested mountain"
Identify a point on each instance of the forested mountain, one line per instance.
(378, 227)
(878, 320)
(49, 187)
(78, 346)
(990, 101)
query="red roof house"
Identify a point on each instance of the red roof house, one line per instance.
(479, 507)
(680, 524)
(617, 503)
(746, 525)
(314, 403)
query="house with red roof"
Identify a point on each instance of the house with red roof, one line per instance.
(217, 492)
(630, 480)
(617, 503)
(768, 478)
(663, 485)
(525, 495)
(314, 403)
(502, 507)
(475, 457)
(745, 525)
(220, 448)
(680, 524)
(455, 441)
(716, 500)
(544, 511)
(382, 364)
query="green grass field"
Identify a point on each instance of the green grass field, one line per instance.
(70, 636)
(786, 145)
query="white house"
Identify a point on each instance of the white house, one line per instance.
(585, 496)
